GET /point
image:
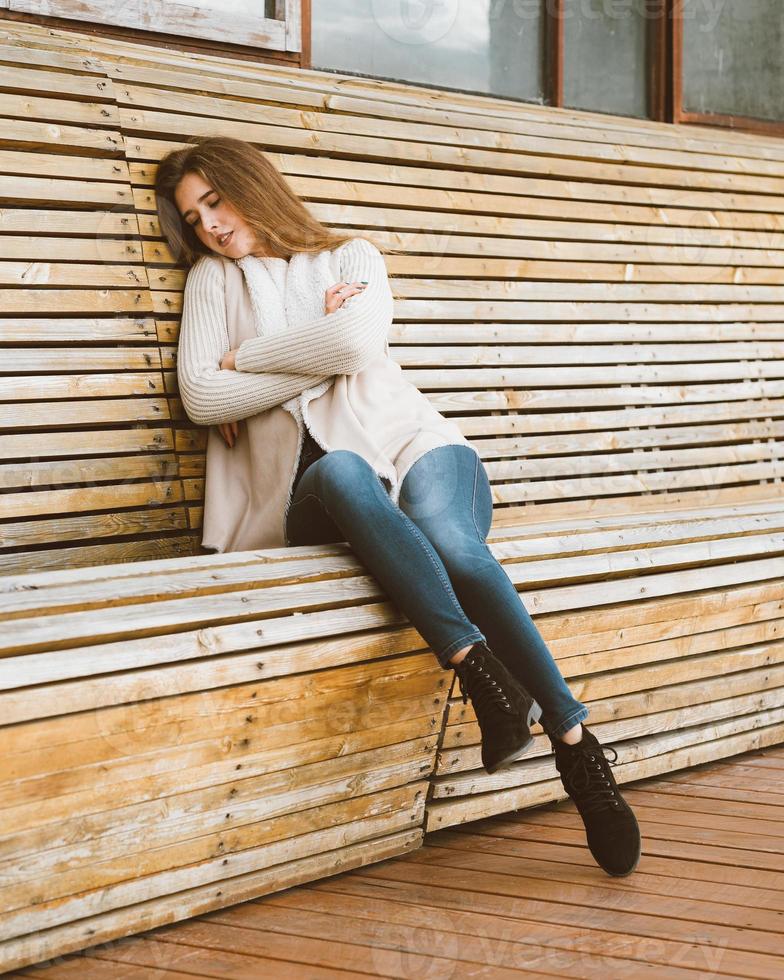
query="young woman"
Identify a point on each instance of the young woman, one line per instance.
(284, 329)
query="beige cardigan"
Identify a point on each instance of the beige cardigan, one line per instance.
(373, 411)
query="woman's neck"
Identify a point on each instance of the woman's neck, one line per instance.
(260, 253)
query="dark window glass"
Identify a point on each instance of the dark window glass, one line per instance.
(493, 47)
(732, 58)
(605, 55)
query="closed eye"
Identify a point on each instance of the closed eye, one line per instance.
(211, 204)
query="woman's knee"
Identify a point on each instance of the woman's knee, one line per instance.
(457, 546)
(341, 470)
(339, 461)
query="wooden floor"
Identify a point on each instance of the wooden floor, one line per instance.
(515, 894)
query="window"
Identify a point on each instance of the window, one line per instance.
(588, 54)
(604, 56)
(707, 61)
(271, 24)
(731, 58)
(489, 46)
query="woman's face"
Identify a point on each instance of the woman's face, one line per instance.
(212, 218)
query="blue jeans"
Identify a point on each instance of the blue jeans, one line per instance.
(430, 557)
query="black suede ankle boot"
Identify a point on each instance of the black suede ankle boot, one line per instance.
(503, 707)
(610, 824)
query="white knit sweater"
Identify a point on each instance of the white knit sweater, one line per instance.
(272, 313)
(290, 358)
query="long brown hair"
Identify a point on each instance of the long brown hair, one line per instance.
(247, 178)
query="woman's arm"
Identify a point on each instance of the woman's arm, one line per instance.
(211, 395)
(342, 342)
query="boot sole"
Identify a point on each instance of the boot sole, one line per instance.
(622, 874)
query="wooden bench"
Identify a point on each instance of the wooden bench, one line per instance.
(596, 301)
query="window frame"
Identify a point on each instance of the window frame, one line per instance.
(664, 71)
(680, 115)
(282, 33)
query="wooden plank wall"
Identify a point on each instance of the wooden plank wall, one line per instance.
(596, 301)
(89, 470)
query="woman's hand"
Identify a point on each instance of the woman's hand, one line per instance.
(229, 431)
(336, 295)
(228, 360)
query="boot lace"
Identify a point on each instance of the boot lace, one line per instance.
(484, 690)
(591, 779)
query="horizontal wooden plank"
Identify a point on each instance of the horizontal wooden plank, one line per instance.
(473, 355)
(86, 169)
(199, 775)
(287, 711)
(17, 46)
(104, 469)
(532, 925)
(96, 224)
(163, 489)
(110, 621)
(39, 532)
(27, 191)
(165, 302)
(87, 87)
(86, 554)
(45, 249)
(43, 107)
(73, 444)
(53, 274)
(37, 301)
(66, 138)
(115, 330)
(77, 414)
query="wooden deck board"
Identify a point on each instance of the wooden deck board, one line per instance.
(514, 895)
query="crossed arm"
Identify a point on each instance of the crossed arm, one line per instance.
(270, 370)
(209, 394)
(342, 342)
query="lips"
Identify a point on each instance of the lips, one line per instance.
(225, 239)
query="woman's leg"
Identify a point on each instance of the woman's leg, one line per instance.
(341, 498)
(446, 493)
